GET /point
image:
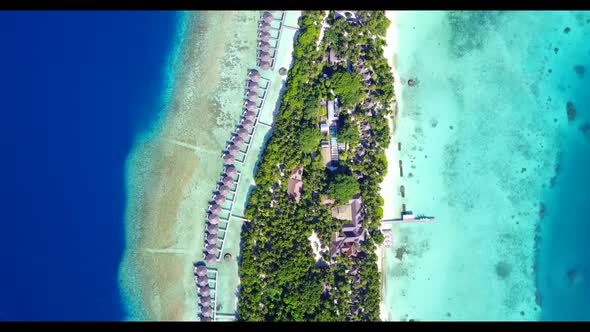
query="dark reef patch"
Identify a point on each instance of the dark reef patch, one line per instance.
(580, 71)
(585, 129)
(571, 111)
(503, 270)
(567, 30)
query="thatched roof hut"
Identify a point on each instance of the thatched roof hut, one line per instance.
(212, 238)
(264, 65)
(205, 301)
(264, 26)
(210, 259)
(264, 46)
(264, 36)
(205, 319)
(227, 181)
(242, 133)
(247, 124)
(233, 150)
(202, 280)
(238, 141)
(267, 17)
(250, 105)
(263, 56)
(204, 291)
(212, 229)
(228, 159)
(230, 170)
(211, 249)
(224, 190)
(214, 218)
(206, 312)
(249, 115)
(219, 199)
(253, 86)
(283, 71)
(252, 96)
(254, 75)
(214, 208)
(200, 270)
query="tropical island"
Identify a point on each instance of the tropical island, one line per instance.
(309, 249)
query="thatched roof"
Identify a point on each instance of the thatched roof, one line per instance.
(233, 150)
(252, 96)
(264, 65)
(230, 170)
(254, 75)
(210, 259)
(263, 56)
(228, 158)
(200, 270)
(265, 46)
(212, 229)
(211, 249)
(249, 115)
(219, 199)
(205, 301)
(267, 17)
(250, 106)
(202, 280)
(264, 36)
(227, 181)
(264, 26)
(204, 290)
(214, 208)
(253, 86)
(242, 132)
(247, 124)
(213, 218)
(212, 238)
(224, 190)
(237, 140)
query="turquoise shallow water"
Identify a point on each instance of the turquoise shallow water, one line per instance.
(481, 134)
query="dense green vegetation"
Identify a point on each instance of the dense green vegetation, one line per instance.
(342, 188)
(280, 280)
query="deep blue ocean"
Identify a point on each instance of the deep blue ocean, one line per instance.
(75, 89)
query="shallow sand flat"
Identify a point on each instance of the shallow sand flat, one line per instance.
(475, 156)
(173, 172)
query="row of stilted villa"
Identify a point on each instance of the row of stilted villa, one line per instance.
(221, 207)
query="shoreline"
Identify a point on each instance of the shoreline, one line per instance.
(390, 52)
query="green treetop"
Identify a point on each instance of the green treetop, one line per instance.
(343, 187)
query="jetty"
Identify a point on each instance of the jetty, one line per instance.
(407, 218)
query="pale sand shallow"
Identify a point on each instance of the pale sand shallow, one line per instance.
(391, 208)
(169, 184)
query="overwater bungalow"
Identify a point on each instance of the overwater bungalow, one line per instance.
(226, 181)
(211, 249)
(237, 140)
(267, 17)
(205, 319)
(212, 239)
(228, 159)
(250, 114)
(264, 26)
(254, 75)
(210, 259)
(247, 124)
(219, 199)
(233, 150)
(224, 190)
(206, 312)
(230, 171)
(205, 301)
(202, 280)
(200, 270)
(263, 56)
(253, 86)
(215, 208)
(264, 46)
(242, 133)
(214, 218)
(264, 65)
(250, 106)
(252, 96)
(204, 291)
(212, 228)
(264, 36)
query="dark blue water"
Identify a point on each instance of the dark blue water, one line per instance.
(75, 88)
